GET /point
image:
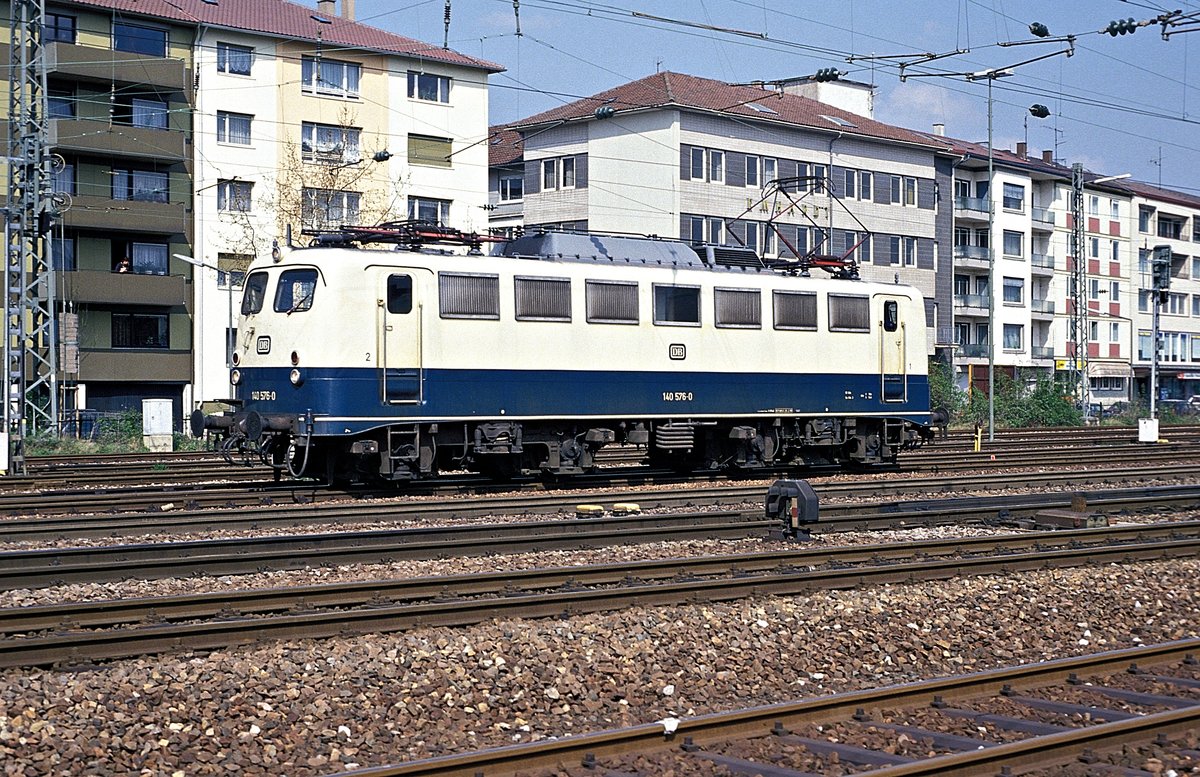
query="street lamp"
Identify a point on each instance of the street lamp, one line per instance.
(229, 285)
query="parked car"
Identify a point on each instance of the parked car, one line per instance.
(1179, 407)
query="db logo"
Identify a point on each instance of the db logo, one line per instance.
(264, 344)
(678, 352)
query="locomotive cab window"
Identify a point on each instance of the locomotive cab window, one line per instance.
(295, 291)
(612, 302)
(543, 299)
(467, 295)
(849, 313)
(738, 308)
(255, 294)
(399, 294)
(891, 316)
(676, 305)
(795, 310)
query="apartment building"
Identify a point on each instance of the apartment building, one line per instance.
(686, 157)
(192, 136)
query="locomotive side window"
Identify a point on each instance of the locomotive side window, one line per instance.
(612, 302)
(543, 299)
(295, 291)
(676, 304)
(849, 313)
(795, 309)
(468, 295)
(399, 294)
(891, 316)
(738, 308)
(255, 294)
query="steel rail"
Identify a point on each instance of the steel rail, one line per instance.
(761, 721)
(114, 612)
(457, 611)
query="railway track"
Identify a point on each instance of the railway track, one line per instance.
(187, 516)
(1046, 715)
(97, 631)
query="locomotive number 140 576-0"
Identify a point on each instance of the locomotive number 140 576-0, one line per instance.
(257, 395)
(677, 396)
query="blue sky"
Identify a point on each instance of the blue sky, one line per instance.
(1119, 104)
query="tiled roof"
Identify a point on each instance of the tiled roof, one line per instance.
(677, 90)
(1152, 192)
(1001, 156)
(280, 18)
(504, 146)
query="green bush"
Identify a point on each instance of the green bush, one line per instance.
(1019, 404)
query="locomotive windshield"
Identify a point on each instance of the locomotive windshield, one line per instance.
(256, 292)
(295, 291)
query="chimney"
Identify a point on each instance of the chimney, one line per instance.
(1022, 149)
(327, 7)
(348, 10)
(939, 129)
(1048, 156)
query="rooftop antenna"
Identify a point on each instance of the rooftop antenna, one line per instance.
(1158, 162)
(446, 37)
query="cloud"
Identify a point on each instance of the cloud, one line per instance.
(919, 104)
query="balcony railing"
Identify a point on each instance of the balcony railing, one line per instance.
(971, 300)
(973, 350)
(971, 252)
(1044, 215)
(1044, 261)
(1042, 305)
(1041, 352)
(971, 203)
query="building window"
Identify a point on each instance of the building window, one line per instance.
(331, 143)
(910, 251)
(1093, 288)
(894, 246)
(512, 187)
(429, 87)
(751, 170)
(1114, 291)
(151, 114)
(140, 330)
(910, 191)
(324, 208)
(716, 232)
(1115, 210)
(549, 174)
(233, 128)
(850, 183)
(235, 60)
(62, 256)
(542, 299)
(1014, 290)
(716, 166)
(864, 185)
(144, 258)
(769, 170)
(234, 195)
(1014, 197)
(64, 179)
(329, 77)
(1170, 227)
(429, 209)
(676, 304)
(1144, 216)
(1013, 243)
(429, 151)
(752, 236)
(139, 40)
(1014, 336)
(738, 308)
(697, 164)
(1094, 205)
(568, 172)
(60, 104)
(895, 189)
(231, 268)
(1114, 332)
(141, 185)
(59, 27)
(1116, 250)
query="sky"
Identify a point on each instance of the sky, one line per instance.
(1119, 104)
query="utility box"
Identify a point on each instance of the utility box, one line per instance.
(1147, 430)
(157, 428)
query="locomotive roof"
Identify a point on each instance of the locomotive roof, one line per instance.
(566, 245)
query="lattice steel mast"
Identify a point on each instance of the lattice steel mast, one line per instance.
(29, 294)
(1078, 290)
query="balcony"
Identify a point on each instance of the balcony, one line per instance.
(1043, 218)
(1041, 263)
(1041, 352)
(1042, 307)
(99, 287)
(973, 350)
(103, 65)
(971, 254)
(971, 208)
(90, 136)
(157, 365)
(89, 211)
(971, 301)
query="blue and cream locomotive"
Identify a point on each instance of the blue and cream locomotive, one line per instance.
(395, 363)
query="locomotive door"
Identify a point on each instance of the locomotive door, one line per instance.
(400, 364)
(893, 360)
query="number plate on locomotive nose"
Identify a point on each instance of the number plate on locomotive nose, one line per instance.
(264, 344)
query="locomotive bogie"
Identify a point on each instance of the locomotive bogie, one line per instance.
(362, 364)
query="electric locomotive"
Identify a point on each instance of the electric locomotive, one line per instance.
(357, 363)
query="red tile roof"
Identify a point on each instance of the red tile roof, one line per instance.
(504, 146)
(284, 19)
(677, 90)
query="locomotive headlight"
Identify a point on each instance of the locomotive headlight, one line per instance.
(235, 377)
(296, 378)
